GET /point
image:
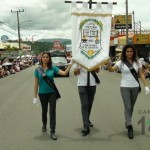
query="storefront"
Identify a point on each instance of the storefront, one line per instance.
(113, 45)
(142, 43)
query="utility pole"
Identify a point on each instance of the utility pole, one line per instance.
(127, 22)
(140, 27)
(18, 23)
(134, 21)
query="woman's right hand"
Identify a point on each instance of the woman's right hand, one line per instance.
(147, 90)
(36, 101)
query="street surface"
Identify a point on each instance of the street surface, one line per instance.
(20, 119)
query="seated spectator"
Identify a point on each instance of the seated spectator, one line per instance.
(12, 71)
(6, 71)
(21, 65)
(16, 67)
(2, 74)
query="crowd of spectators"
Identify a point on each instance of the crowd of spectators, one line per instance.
(10, 66)
(145, 67)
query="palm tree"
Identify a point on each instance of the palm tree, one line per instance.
(11, 49)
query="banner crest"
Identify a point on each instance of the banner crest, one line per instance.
(90, 43)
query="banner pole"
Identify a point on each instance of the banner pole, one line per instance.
(91, 2)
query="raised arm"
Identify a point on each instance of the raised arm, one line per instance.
(111, 68)
(64, 73)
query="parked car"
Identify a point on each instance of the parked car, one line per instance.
(60, 62)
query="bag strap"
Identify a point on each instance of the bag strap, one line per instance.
(49, 81)
(96, 77)
(45, 77)
(88, 78)
(40, 70)
(133, 71)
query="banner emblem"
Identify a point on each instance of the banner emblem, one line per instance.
(90, 44)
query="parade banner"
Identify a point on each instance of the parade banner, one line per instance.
(91, 30)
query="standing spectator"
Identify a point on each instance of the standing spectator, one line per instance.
(142, 61)
(34, 61)
(149, 58)
(46, 93)
(87, 89)
(129, 86)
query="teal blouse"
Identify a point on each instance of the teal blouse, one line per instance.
(43, 86)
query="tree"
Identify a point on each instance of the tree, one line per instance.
(11, 49)
(38, 47)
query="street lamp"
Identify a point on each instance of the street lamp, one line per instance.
(25, 21)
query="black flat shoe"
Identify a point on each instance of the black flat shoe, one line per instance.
(130, 132)
(91, 125)
(86, 131)
(44, 129)
(82, 131)
(53, 136)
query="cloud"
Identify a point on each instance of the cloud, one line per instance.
(52, 18)
(47, 17)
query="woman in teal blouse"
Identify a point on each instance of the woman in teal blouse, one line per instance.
(47, 95)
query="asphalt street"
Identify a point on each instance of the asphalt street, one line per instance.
(20, 119)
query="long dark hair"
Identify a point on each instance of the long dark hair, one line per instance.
(123, 55)
(50, 60)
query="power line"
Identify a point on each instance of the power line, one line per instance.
(8, 31)
(4, 23)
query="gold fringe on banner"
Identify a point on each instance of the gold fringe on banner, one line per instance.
(90, 14)
(95, 67)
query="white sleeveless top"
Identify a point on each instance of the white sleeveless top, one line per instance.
(127, 78)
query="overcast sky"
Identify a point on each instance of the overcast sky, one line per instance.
(52, 18)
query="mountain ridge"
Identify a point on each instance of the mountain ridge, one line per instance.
(62, 40)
